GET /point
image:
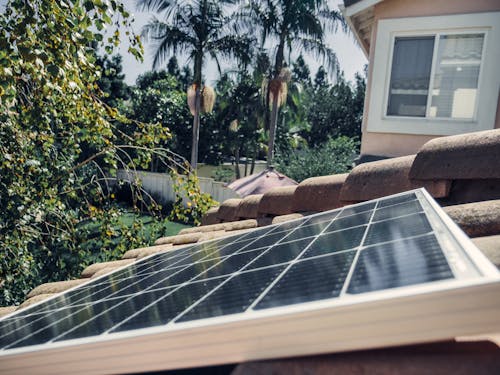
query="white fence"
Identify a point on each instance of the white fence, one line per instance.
(160, 185)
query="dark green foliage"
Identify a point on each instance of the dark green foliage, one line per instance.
(300, 72)
(112, 81)
(336, 110)
(334, 156)
(158, 98)
(60, 144)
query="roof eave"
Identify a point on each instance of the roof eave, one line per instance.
(360, 6)
(359, 17)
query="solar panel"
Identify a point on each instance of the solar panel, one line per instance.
(327, 282)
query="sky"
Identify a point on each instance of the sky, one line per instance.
(350, 56)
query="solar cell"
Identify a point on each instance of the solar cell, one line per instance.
(391, 244)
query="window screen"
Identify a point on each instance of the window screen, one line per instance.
(453, 75)
(410, 76)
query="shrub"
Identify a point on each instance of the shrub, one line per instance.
(335, 156)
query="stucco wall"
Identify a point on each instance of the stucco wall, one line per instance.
(388, 144)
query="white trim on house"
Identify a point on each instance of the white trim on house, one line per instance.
(488, 84)
(360, 6)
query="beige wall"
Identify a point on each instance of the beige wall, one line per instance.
(387, 144)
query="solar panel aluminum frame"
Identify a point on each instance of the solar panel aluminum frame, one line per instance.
(406, 315)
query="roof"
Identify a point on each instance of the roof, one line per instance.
(461, 172)
(359, 15)
(259, 183)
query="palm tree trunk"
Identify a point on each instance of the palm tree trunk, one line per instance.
(196, 129)
(272, 131)
(237, 163)
(198, 63)
(274, 111)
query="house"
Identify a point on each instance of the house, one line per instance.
(433, 70)
(458, 165)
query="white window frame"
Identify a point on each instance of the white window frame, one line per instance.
(488, 80)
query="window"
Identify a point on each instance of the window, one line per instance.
(454, 79)
(435, 75)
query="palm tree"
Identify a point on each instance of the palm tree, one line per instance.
(197, 28)
(298, 25)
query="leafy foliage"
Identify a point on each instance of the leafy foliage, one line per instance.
(112, 82)
(60, 143)
(297, 25)
(335, 156)
(200, 29)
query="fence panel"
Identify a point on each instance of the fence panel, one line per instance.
(160, 185)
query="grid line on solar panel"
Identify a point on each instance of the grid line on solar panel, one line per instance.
(400, 263)
(235, 275)
(144, 265)
(308, 280)
(397, 210)
(258, 299)
(356, 256)
(99, 283)
(281, 236)
(217, 270)
(148, 281)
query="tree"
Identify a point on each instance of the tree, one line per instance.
(300, 72)
(336, 110)
(198, 28)
(159, 97)
(61, 143)
(296, 25)
(112, 81)
(336, 155)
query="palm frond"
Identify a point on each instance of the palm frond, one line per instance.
(157, 6)
(168, 39)
(319, 50)
(239, 46)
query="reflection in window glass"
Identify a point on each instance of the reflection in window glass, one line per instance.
(456, 76)
(410, 76)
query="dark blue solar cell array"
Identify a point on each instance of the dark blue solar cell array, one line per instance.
(377, 245)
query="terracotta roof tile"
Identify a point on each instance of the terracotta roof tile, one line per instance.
(229, 226)
(104, 271)
(385, 177)
(179, 239)
(242, 224)
(186, 238)
(277, 201)
(249, 206)
(318, 193)
(156, 249)
(228, 210)
(466, 156)
(490, 246)
(35, 299)
(55, 287)
(213, 235)
(7, 310)
(210, 217)
(289, 217)
(134, 253)
(203, 229)
(377, 179)
(93, 268)
(477, 219)
(467, 191)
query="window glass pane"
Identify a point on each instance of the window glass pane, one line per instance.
(457, 74)
(410, 76)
